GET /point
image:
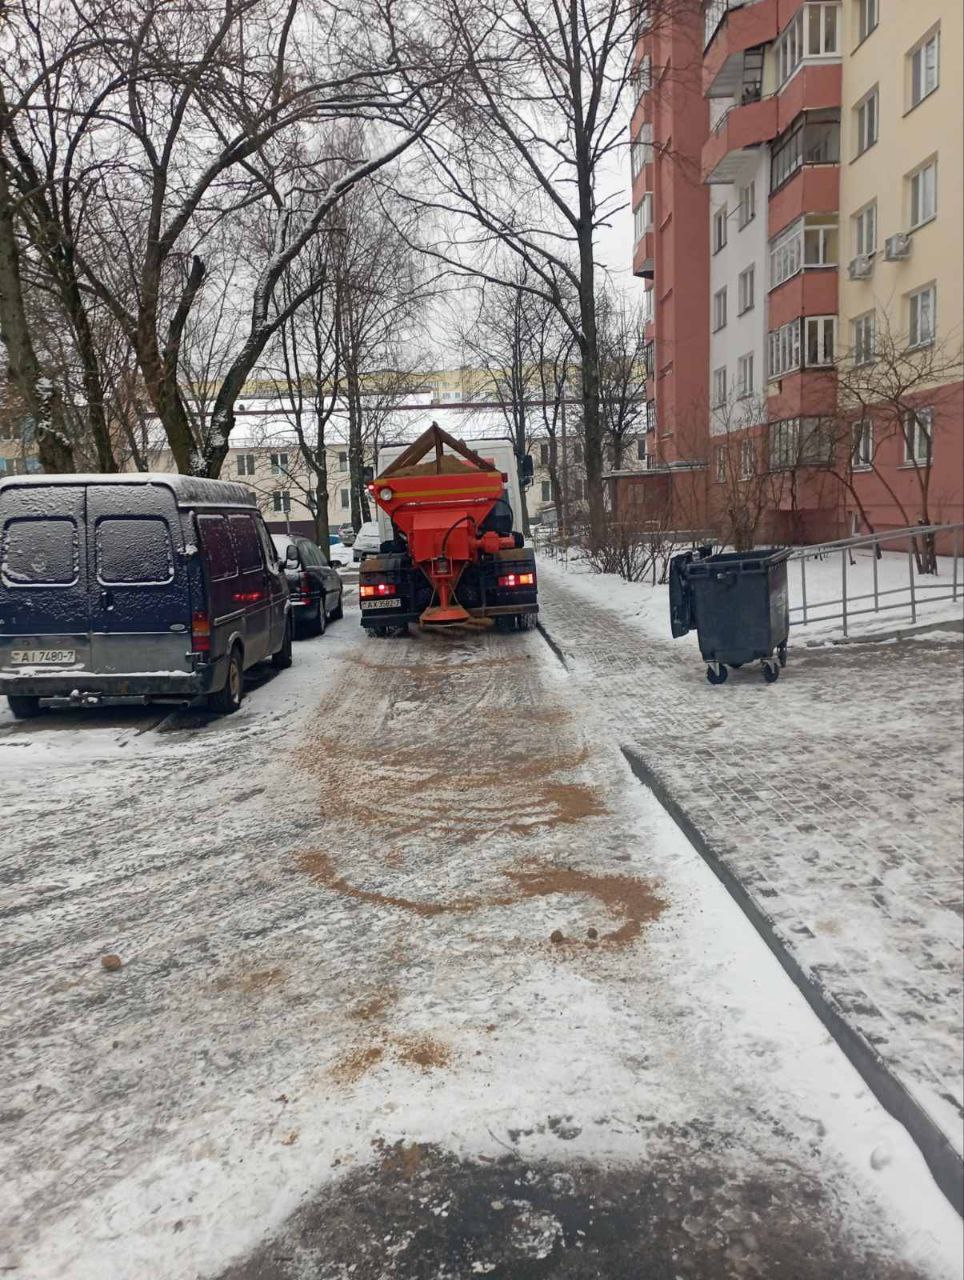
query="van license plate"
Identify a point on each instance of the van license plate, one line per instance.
(42, 657)
(388, 603)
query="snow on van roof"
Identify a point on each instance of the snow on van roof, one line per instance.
(188, 490)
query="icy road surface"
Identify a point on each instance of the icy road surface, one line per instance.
(417, 982)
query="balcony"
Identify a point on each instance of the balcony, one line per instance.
(644, 256)
(738, 30)
(741, 130)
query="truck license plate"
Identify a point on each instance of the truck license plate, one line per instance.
(41, 657)
(388, 603)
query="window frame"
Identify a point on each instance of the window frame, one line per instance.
(915, 342)
(281, 502)
(785, 340)
(746, 290)
(279, 468)
(793, 43)
(863, 117)
(916, 176)
(820, 325)
(746, 205)
(862, 433)
(863, 332)
(720, 229)
(745, 386)
(748, 459)
(867, 28)
(923, 425)
(932, 37)
(860, 220)
(246, 464)
(719, 310)
(719, 387)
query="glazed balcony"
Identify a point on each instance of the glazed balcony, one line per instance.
(740, 131)
(732, 33)
(644, 256)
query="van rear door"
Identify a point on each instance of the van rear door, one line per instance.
(44, 617)
(140, 599)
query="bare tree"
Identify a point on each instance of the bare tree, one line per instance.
(622, 371)
(519, 156)
(194, 117)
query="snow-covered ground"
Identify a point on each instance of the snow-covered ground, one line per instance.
(409, 900)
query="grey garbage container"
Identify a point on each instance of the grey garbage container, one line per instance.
(737, 603)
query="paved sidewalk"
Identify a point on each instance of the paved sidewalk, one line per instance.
(834, 797)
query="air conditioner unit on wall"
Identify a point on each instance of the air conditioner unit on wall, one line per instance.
(860, 267)
(897, 247)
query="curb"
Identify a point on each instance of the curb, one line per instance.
(945, 1164)
(552, 645)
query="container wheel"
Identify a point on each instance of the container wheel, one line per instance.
(771, 672)
(782, 655)
(717, 674)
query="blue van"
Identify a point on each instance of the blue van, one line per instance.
(135, 588)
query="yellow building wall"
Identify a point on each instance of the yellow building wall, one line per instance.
(906, 138)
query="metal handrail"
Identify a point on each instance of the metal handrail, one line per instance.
(917, 590)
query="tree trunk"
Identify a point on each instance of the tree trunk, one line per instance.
(322, 528)
(40, 396)
(589, 352)
(358, 494)
(93, 383)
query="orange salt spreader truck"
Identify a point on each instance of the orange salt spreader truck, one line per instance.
(450, 555)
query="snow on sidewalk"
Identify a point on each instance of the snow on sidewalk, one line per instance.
(834, 796)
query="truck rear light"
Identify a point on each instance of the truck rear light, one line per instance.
(373, 589)
(518, 580)
(200, 633)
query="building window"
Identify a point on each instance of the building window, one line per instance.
(719, 309)
(924, 70)
(813, 32)
(814, 139)
(746, 289)
(719, 229)
(784, 349)
(746, 207)
(866, 18)
(577, 453)
(811, 241)
(864, 332)
(865, 229)
(862, 455)
(747, 460)
(923, 316)
(821, 340)
(544, 454)
(641, 152)
(719, 388)
(744, 375)
(641, 449)
(343, 462)
(643, 75)
(246, 464)
(923, 194)
(279, 464)
(866, 121)
(796, 442)
(721, 464)
(281, 501)
(546, 491)
(343, 500)
(643, 215)
(918, 436)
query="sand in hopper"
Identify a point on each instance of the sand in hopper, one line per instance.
(447, 466)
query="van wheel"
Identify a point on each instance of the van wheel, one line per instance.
(23, 706)
(227, 699)
(282, 659)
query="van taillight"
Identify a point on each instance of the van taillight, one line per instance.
(200, 633)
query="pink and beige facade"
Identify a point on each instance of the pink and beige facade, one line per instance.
(831, 265)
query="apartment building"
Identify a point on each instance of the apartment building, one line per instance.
(833, 265)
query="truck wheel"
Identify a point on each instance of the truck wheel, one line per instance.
(282, 659)
(23, 706)
(225, 701)
(504, 622)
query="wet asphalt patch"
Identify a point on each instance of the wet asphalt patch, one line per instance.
(419, 1214)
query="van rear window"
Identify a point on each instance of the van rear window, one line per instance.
(218, 546)
(40, 551)
(135, 550)
(246, 543)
